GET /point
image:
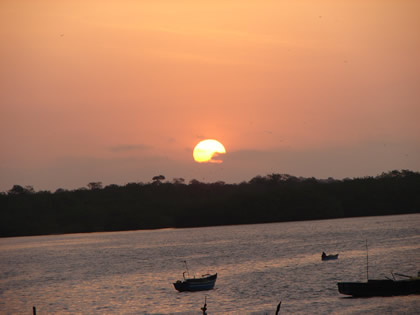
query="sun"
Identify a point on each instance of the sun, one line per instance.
(206, 151)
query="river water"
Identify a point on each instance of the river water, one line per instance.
(258, 266)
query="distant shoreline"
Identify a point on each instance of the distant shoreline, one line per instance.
(158, 205)
(197, 227)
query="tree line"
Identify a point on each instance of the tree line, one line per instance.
(163, 204)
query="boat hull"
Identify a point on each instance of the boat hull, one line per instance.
(380, 288)
(196, 284)
(329, 257)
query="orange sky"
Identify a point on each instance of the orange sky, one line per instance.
(121, 91)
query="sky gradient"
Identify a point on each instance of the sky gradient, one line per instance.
(121, 91)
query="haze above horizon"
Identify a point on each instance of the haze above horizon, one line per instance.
(121, 91)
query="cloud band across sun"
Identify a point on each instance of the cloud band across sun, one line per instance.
(206, 151)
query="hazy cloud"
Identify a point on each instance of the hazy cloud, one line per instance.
(362, 159)
(129, 147)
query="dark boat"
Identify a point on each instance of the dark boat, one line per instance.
(328, 257)
(206, 282)
(385, 287)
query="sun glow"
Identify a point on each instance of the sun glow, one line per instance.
(206, 151)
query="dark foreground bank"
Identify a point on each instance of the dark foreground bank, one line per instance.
(272, 198)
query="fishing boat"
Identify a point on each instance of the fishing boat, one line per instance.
(383, 287)
(206, 282)
(328, 257)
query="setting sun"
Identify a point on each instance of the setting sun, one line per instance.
(206, 150)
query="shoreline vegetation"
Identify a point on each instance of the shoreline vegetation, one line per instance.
(176, 204)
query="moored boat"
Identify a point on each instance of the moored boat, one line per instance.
(385, 287)
(328, 257)
(382, 287)
(206, 282)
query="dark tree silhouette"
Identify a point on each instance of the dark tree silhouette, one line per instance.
(94, 185)
(270, 198)
(178, 181)
(17, 189)
(158, 179)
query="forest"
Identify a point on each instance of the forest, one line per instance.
(176, 204)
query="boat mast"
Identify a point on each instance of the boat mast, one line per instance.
(186, 267)
(367, 262)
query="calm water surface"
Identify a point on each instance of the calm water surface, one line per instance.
(258, 266)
